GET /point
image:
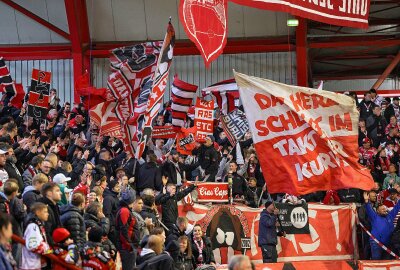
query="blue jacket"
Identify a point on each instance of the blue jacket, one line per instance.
(382, 227)
(267, 234)
(4, 263)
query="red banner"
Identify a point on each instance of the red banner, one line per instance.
(205, 23)
(163, 132)
(332, 237)
(212, 192)
(378, 265)
(320, 265)
(185, 140)
(308, 136)
(347, 13)
(204, 118)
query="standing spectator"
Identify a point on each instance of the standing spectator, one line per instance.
(391, 178)
(149, 175)
(72, 219)
(169, 201)
(84, 185)
(149, 209)
(173, 169)
(11, 166)
(382, 226)
(268, 236)
(239, 185)
(393, 109)
(51, 196)
(31, 171)
(201, 247)
(61, 181)
(45, 167)
(127, 231)
(7, 262)
(208, 158)
(376, 125)
(185, 258)
(3, 172)
(177, 230)
(253, 193)
(154, 247)
(32, 193)
(145, 225)
(110, 206)
(35, 238)
(366, 106)
(375, 97)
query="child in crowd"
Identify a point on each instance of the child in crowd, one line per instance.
(65, 248)
(35, 238)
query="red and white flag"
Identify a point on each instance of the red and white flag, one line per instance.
(182, 94)
(306, 139)
(226, 95)
(104, 117)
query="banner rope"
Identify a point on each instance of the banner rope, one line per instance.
(385, 248)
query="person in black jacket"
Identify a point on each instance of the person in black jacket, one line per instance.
(392, 109)
(32, 193)
(149, 175)
(72, 219)
(149, 209)
(177, 230)
(201, 247)
(169, 201)
(11, 166)
(239, 185)
(173, 169)
(185, 258)
(253, 193)
(110, 205)
(51, 196)
(208, 158)
(366, 106)
(376, 125)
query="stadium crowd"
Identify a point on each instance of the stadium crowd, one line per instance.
(70, 192)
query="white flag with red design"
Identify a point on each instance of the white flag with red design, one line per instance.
(306, 139)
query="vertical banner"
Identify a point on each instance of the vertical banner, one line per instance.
(39, 98)
(204, 118)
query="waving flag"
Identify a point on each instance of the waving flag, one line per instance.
(306, 139)
(103, 115)
(7, 85)
(182, 94)
(39, 98)
(226, 95)
(157, 91)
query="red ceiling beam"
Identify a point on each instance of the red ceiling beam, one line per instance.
(36, 18)
(36, 55)
(387, 71)
(355, 43)
(302, 53)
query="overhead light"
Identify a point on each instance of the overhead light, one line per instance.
(292, 22)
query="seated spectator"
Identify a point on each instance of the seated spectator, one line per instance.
(391, 178)
(72, 219)
(35, 238)
(7, 261)
(32, 193)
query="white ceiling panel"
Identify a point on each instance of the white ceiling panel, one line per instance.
(58, 17)
(101, 20)
(259, 22)
(8, 26)
(128, 15)
(235, 20)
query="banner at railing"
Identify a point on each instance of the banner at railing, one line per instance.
(332, 232)
(378, 265)
(212, 192)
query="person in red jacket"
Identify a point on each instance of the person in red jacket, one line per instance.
(331, 198)
(127, 231)
(64, 248)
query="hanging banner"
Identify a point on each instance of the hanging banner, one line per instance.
(204, 119)
(343, 13)
(205, 23)
(163, 132)
(234, 230)
(309, 137)
(38, 103)
(186, 140)
(235, 125)
(212, 192)
(294, 218)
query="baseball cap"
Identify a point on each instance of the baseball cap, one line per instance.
(60, 178)
(2, 152)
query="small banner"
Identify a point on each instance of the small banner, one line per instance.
(212, 192)
(204, 118)
(39, 98)
(308, 136)
(235, 125)
(294, 218)
(186, 141)
(163, 132)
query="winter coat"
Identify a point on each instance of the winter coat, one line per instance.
(148, 212)
(382, 226)
(170, 206)
(208, 160)
(54, 220)
(145, 255)
(173, 234)
(267, 234)
(13, 172)
(110, 205)
(169, 169)
(183, 262)
(91, 221)
(128, 235)
(18, 215)
(149, 176)
(239, 185)
(376, 129)
(72, 220)
(158, 262)
(208, 255)
(252, 196)
(4, 263)
(28, 175)
(30, 196)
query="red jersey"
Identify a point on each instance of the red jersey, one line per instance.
(367, 156)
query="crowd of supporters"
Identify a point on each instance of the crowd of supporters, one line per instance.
(70, 192)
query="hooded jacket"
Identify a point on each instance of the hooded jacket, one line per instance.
(267, 234)
(72, 220)
(110, 205)
(30, 196)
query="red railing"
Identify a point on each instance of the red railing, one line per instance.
(54, 259)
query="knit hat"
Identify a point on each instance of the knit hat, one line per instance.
(128, 197)
(95, 234)
(268, 203)
(60, 235)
